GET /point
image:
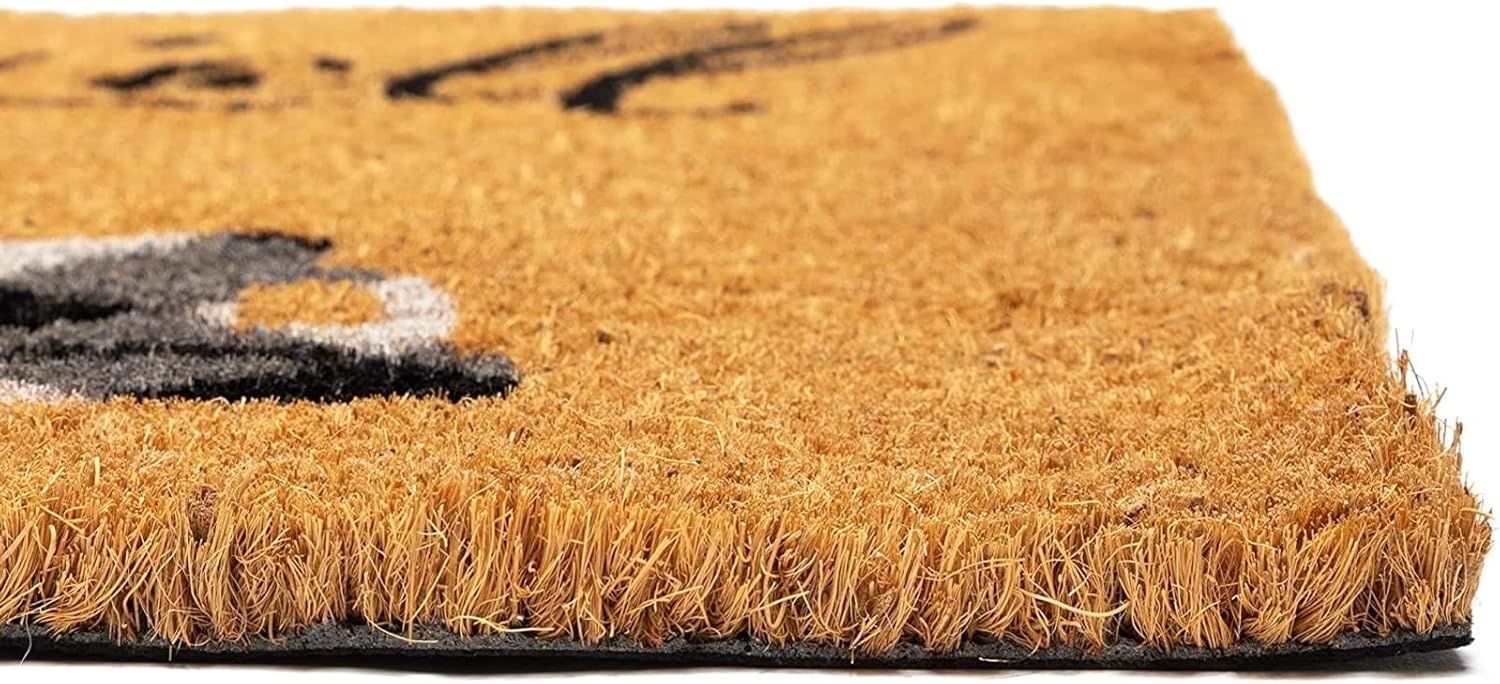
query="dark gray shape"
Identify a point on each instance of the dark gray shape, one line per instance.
(129, 325)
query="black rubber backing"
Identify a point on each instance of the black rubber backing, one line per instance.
(343, 642)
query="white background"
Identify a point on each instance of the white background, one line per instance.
(1396, 107)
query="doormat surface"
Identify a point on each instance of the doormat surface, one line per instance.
(973, 337)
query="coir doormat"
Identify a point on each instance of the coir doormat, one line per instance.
(969, 337)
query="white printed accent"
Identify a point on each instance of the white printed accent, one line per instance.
(18, 256)
(17, 391)
(418, 316)
(220, 314)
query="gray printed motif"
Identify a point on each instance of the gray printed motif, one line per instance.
(153, 317)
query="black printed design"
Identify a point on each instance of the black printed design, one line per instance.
(135, 324)
(211, 74)
(662, 52)
(333, 65)
(421, 84)
(729, 48)
(602, 94)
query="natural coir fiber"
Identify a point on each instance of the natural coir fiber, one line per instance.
(974, 337)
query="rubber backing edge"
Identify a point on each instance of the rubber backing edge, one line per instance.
(343, 642)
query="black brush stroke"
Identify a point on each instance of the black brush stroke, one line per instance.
(136, 80)
(420, 84)
(332, 64)
(602, 93)
(30, 310)
(214, 74)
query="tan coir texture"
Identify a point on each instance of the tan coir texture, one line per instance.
(874, 327)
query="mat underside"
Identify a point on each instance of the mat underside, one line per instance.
(341, 642)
